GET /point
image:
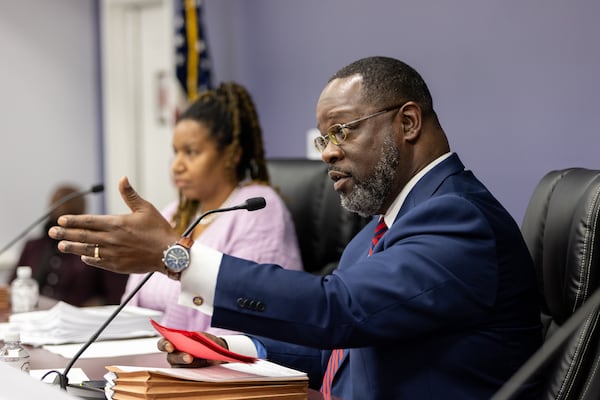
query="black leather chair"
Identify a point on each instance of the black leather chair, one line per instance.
(561, 228)
(323, 226)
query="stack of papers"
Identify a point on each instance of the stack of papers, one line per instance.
(240, 379)
(230, 381)
(4, 298)
(65, 323)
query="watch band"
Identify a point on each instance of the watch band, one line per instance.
(186, 242)
(173, 275)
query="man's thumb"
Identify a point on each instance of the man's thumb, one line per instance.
(129, 195)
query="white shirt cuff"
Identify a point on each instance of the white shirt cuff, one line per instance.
(240, 344)
(199, 280)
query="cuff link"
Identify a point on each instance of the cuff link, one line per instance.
(198, 300)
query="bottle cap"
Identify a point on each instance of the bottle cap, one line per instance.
(24, 271)
(12, 336)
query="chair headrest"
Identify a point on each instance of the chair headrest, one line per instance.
(323, 227)
(561, 230)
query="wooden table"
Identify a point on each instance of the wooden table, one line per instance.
(94, 368)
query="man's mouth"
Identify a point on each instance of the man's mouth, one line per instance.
(338, 178)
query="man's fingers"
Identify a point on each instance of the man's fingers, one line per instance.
(164, 345)
(82, 249)
(56, 233)
(180, 359)
(105, 223)
(176, 357)
(184, 360)
(92, 261)
(78, 241)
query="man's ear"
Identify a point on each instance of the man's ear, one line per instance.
(411, 120)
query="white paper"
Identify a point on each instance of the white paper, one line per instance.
(260, 370)
(65, 323)
(18, 385)
(107, 348)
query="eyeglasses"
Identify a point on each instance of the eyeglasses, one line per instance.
(338, 133)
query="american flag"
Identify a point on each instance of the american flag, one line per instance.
(193, 67)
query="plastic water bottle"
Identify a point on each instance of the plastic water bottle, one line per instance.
(24, 291)
(13, 354)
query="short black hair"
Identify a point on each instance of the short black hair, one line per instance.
(388, 81)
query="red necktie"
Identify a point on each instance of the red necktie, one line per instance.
(337, 354)
(380, 229)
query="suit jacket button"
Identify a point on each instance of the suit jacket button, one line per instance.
(198, 300)
(242, 302)
(260, 306)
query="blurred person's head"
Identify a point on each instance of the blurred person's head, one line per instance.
(76, 205)
(218, 145)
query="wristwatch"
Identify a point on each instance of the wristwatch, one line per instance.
(177, 257)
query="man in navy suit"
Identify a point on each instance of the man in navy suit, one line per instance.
(442, 307)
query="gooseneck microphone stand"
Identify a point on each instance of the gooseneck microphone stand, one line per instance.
(251, 204)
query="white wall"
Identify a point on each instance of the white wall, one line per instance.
(49, 107)
(137, 48)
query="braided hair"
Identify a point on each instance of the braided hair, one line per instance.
(231, 118)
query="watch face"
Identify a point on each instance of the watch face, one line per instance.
(177, 258)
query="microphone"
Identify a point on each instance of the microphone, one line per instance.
(94, 189)
(251, 204)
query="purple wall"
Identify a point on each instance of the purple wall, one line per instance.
(514, 82)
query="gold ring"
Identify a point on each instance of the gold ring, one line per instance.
(97, 252)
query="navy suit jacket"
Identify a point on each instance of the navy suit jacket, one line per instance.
(445, 308)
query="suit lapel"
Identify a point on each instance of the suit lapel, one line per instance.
(429, 183)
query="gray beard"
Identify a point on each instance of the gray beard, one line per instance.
(369, 193)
